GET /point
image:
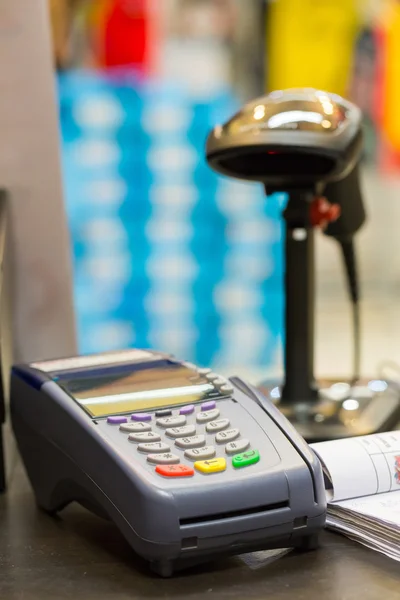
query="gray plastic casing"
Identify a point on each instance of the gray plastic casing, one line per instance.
(171, 522)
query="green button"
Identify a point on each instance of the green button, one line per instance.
(245, 459)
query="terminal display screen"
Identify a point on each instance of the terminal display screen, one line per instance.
(102, 392)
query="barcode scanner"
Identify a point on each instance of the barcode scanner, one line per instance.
(308, 143)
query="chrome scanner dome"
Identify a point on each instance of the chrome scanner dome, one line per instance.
(288, 137)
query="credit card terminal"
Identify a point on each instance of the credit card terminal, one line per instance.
(187, 464)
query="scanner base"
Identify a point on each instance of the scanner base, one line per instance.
(374, 407)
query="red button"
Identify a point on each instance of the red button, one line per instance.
(322, 212)
(174, 470)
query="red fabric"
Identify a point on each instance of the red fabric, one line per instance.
(125, 36)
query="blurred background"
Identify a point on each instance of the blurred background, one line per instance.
(166, 253)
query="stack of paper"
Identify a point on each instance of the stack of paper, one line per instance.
(373, 521)
(363, 489)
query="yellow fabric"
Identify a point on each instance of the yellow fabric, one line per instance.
(310, 43)
(391, 82)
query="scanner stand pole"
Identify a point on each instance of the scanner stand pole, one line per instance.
(315, 411)
(299, 385)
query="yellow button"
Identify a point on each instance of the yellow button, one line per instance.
(213, 465)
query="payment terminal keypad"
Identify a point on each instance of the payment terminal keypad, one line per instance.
(188, 440)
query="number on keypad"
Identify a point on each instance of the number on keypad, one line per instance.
(227, 436)
(153, 447)
(135, 427)
(171, 421)
(176, 432)
(200, 453)
(195, 441)
(215, 426)
(208, 415)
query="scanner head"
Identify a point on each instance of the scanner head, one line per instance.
(289, 138)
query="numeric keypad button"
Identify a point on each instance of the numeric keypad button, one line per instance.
(237, 447)
(195, 441)
(135, 427)
(215, 426)
(220, 381)
(223, 437)
(144, 436)
(178, 432)
(212, 376)
(226, 389)
(167, 422)
(200, 453)
(167, 458)
(153, 447)
(207, 415)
